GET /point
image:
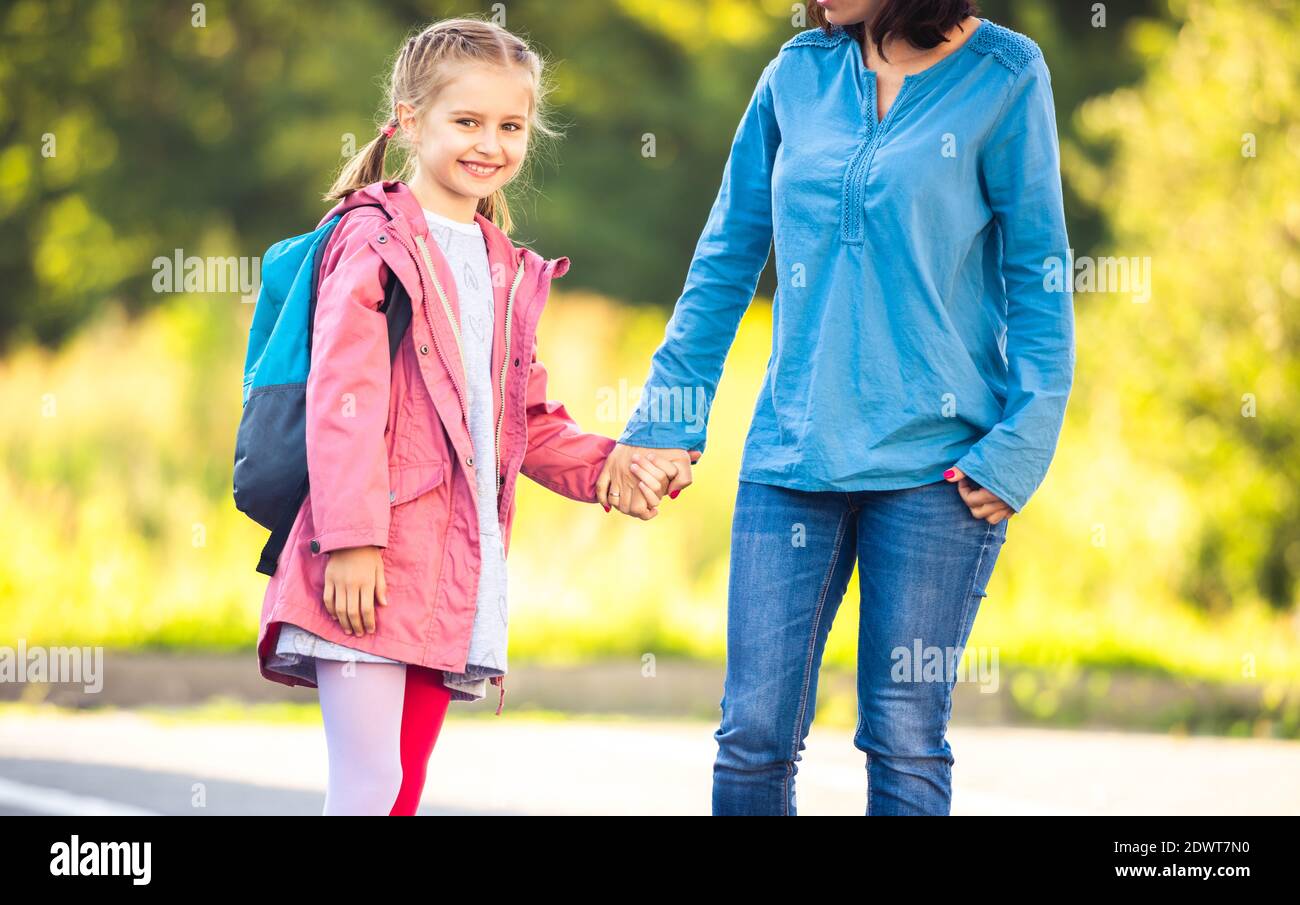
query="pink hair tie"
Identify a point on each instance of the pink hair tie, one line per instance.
(389, 130)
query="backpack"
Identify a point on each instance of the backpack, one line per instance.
(270, 478)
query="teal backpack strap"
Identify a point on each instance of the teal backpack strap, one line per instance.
(397, 308)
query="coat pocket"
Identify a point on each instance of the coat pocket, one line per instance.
(418, 520)
(408, 481)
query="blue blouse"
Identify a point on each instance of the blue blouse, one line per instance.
(924, 309)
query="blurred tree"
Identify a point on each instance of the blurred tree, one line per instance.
(1203, 179)
(130, 129)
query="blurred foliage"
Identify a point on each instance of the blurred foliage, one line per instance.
(120, 530)
(1166, 539)
(1199, 386)
(127, 132)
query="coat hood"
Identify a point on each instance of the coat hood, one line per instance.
(401, 204)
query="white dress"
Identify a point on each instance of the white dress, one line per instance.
(296, 649)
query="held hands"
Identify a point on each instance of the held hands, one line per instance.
(354, 581)
(982, 503)
(636, 478)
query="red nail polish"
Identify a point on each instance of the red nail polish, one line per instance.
(949, 473)
(673, 495)
(606, 507)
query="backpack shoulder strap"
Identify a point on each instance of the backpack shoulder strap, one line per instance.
(397, 309)
(396, 304)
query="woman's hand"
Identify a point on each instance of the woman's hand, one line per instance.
(982, 503)
(655, 478)
(636, 478)
(354, 580)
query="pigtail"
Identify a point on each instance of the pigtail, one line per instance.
(365, 167)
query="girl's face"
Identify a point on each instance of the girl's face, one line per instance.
(472, 139)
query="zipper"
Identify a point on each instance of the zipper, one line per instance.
(451, 319)
(446, 307)
(424, 306)
(499, 681)
(505, 363)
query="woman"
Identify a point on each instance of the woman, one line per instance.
(903, 157)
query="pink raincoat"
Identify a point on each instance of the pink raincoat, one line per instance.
(390, 463)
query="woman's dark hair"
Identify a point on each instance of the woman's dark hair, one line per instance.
(922, 23)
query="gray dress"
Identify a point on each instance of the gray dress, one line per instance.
(465, 249)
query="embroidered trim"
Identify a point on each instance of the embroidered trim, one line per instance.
(851, 200)
(817, 37)
(1010, 48)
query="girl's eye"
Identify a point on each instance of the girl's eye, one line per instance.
(513, 127)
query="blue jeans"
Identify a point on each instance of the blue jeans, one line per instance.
(923, 565)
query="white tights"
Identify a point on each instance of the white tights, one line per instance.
(381, 723)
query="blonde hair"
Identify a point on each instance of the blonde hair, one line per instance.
(424, 65)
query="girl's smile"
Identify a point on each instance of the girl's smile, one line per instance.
(482, 170)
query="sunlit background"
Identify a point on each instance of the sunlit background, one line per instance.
(1164, 544)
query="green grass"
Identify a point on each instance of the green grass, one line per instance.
(120, 530)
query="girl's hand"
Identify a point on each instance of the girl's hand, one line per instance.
(982, 503)
(354, 580)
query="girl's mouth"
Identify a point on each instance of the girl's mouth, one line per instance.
(481, 170)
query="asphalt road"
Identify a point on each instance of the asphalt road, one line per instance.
(127, 763)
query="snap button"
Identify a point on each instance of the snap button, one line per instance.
(469, 461)
(315, 546)
(392, 496)
(382, 238)
(424, 348)
(516, 362)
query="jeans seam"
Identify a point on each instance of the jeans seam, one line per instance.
(812, 646)
(857, 734)
(869, 787)
(966, 605)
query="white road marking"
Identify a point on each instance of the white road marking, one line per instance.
(43, 800)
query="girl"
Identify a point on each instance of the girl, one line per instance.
(903, 158)
(412, 467)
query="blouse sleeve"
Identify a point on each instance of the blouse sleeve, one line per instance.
(1020, 170)
(729, 258)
